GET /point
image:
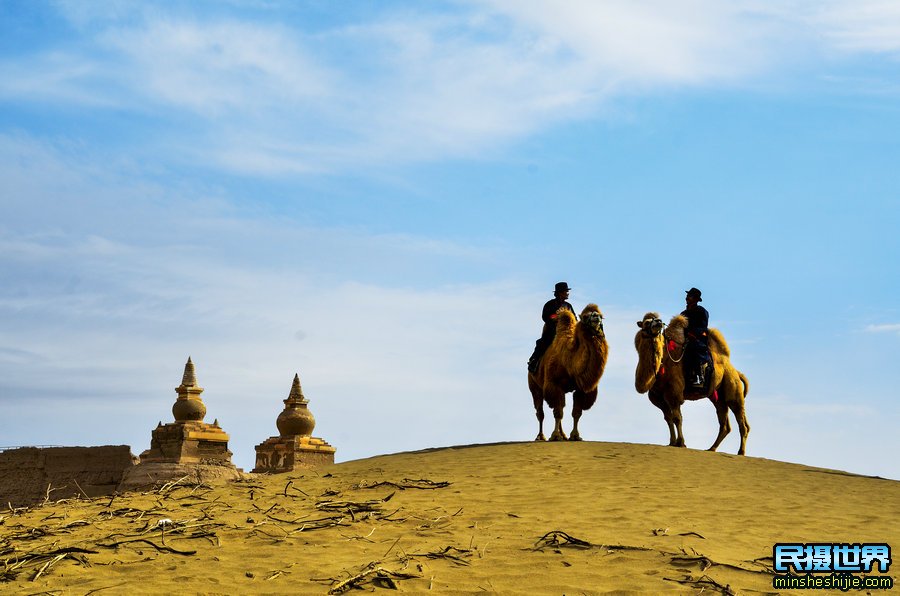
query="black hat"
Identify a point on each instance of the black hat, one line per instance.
(561, 287)
(694, 292)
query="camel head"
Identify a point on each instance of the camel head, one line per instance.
(592, 319)
(648, 342)
(651, 325)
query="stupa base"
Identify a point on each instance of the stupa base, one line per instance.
(277, 455)
(190, 442)
(147, 475)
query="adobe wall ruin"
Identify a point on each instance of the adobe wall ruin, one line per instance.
(26, 472)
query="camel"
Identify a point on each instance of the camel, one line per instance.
(659, 373)
(574, 362)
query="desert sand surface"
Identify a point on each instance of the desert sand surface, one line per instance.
(510, 518)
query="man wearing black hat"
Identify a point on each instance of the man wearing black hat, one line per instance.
(697, 360)
(561, 294)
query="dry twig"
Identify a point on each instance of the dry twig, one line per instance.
(422, 484)
(703, 582)
(558, 538)
(352, 507)
(376, 574)
(447, 553)
(167, 549)
(290, 485)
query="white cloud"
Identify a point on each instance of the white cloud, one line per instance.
(218, 67)
(56, 77)
(860, 26)
(272, 98)
(650, 42)
(884, 328)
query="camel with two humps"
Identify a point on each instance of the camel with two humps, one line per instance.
(659, 373)
(573, 363)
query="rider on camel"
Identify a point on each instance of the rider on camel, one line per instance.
(561, 294)
(697, 359)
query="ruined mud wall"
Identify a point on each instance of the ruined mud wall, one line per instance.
(26, 472)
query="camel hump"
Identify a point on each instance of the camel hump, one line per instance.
(565, 322)
(718, 344)
(676, 329)
(679, 321)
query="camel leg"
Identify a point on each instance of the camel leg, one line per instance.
(537, 396)
(540, 416)
(578, 409)
(743, 426)
(673, 441)
(676, 419)
(576, 414)
(740, 413)
(657, 400)
(724, 424)
(539, 412)
(559, 399)
(558, 434)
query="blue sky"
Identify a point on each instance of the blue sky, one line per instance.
(379, 196)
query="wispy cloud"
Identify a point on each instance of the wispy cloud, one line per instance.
(265, 97)
(862, 26)
(884, 328)
(281, 98)
(215, 69)
(649, 43)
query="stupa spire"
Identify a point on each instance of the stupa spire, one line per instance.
(190, 378)
(189, 405)
(296, 394)
(296, 419)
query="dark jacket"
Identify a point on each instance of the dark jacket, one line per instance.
(549, 312)
(549, 330)
(698, 324)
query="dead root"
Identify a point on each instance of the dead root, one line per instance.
(372, 573)
(450, 553)
(421, 484)
(353, 507)
(557, 539)
(704, 582)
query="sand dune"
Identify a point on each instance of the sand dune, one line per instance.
(516, 518)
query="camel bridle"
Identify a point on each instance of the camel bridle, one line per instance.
(647, 329)
(594, 321)
(669, 352)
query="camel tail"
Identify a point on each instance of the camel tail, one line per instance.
(745, 382)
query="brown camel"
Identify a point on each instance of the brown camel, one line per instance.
(574, 362)
(659, 372)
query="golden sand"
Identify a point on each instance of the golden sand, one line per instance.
(515, 518)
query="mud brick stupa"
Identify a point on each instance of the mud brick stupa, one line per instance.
(187, 447)
(295, 448)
